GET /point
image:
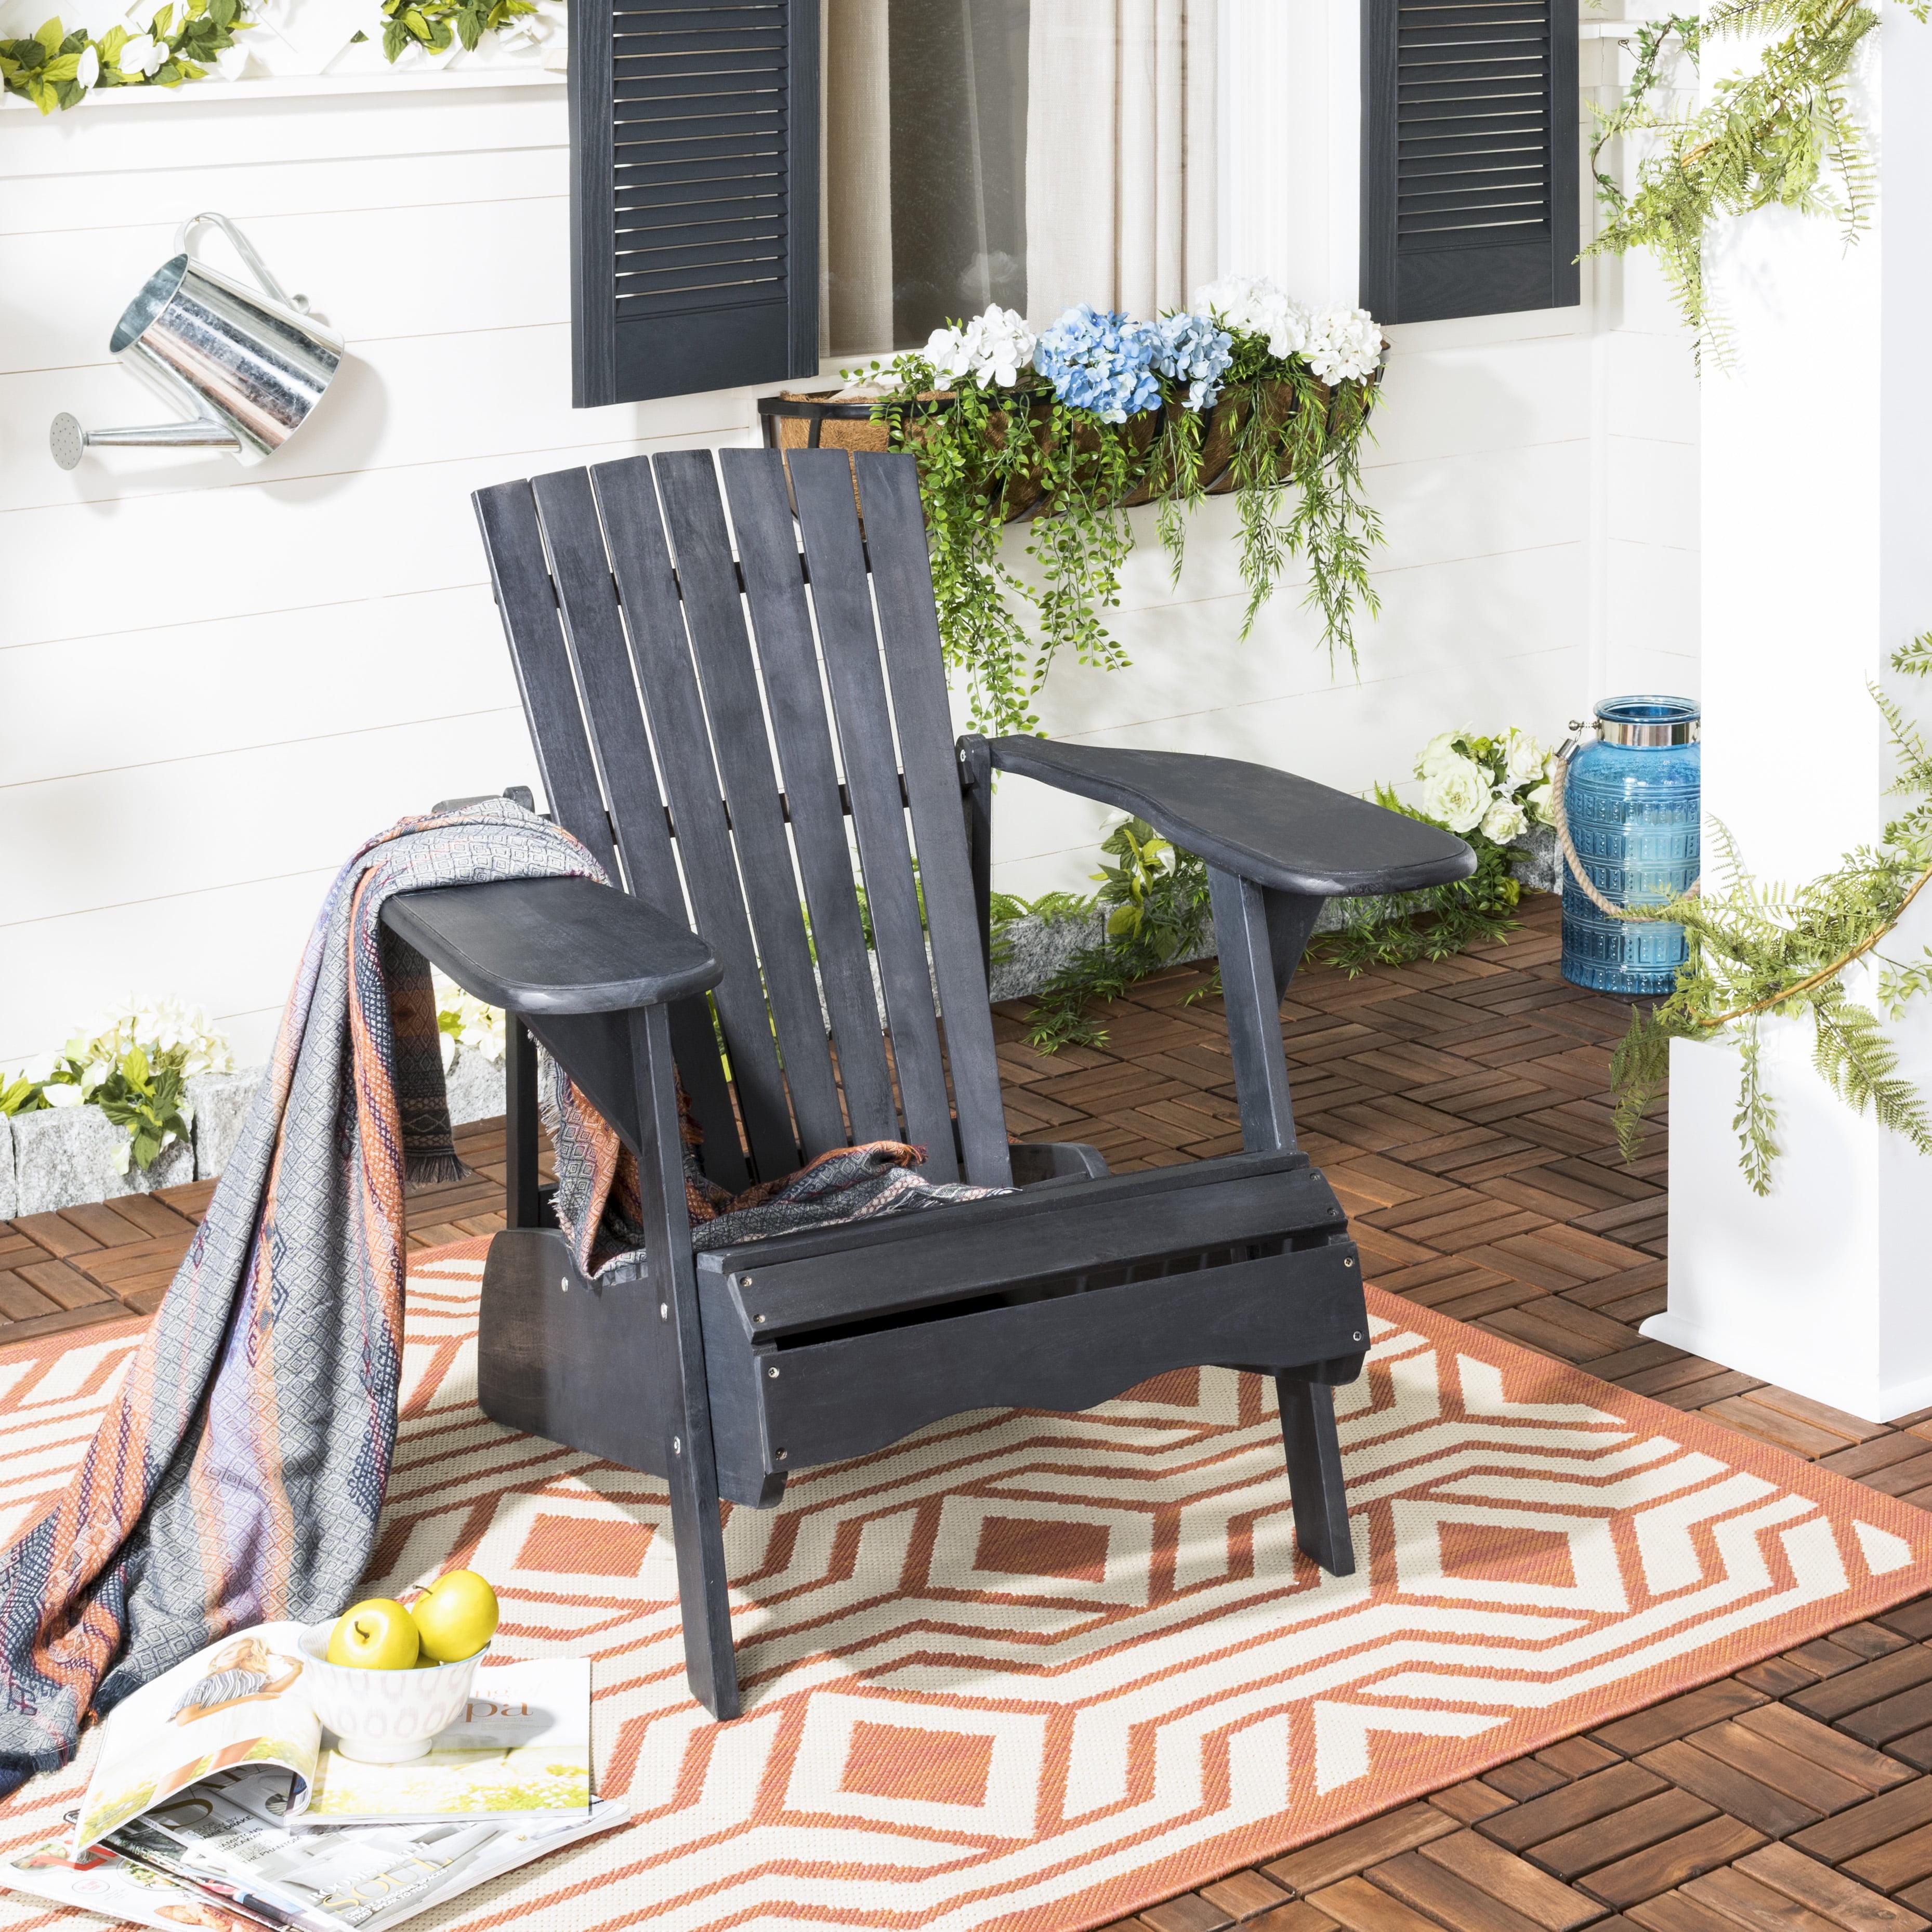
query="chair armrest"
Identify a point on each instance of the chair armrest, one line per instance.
(554, 946)
(1258, 824)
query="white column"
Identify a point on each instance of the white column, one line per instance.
(1817, 563)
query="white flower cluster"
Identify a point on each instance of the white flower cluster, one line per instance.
(464, 1021)
(1344, 344)
(992, 349)
(166, 1030)
(1256, 305)
(1497, 786)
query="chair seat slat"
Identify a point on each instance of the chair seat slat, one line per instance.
(842, 600)
(627, 496)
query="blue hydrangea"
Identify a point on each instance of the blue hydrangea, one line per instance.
(1099, 361)
(1195, 350)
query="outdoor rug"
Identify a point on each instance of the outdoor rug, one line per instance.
(1038, 1671)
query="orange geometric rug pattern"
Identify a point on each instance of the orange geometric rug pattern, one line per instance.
(1033, 1672)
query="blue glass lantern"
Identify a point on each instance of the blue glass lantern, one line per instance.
(1633, 801)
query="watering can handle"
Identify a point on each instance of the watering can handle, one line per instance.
(246, 249)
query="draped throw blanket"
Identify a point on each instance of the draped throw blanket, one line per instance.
(239, 1475)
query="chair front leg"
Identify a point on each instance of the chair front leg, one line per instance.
(678, 1393)
(1259, 935)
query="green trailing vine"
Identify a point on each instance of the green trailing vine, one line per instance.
(1757, 950)
(1766, 138)
(1070, 429)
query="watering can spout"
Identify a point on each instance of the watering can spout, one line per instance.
(69, 442)
(245, 366)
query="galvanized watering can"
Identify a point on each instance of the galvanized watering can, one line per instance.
(246, 366)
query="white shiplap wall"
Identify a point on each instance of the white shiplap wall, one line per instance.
(214, 683)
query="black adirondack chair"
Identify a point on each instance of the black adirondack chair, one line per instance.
(793, 709)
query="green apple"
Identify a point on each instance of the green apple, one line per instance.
(456, 1616)
(378, 1634)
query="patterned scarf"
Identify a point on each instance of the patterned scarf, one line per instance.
(239, 1475)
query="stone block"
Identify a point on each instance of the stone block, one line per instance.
(9, 1206)
(220, 1102)
(64, 1156)
(475, 1086)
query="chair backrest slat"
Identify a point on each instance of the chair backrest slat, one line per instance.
(714, 613)
(594, 628)
(521, 574)
(627, 495)
(841, 598)
(915, 674)
(754, 489)
(658, 671)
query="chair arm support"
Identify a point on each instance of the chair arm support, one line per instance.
(1269, 826)
(563, 945)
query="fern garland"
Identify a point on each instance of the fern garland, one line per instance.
(1757, 949)
(1766, 138)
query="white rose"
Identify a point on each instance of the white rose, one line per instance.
(1457, 794)
(1442, 749)
(1523, 758)
(141, 56)
(1538, 802)
(88, 71)
(1505, 821)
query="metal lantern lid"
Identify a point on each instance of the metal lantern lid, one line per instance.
(1648, 721)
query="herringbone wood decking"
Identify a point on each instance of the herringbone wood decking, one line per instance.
(1460, 1110)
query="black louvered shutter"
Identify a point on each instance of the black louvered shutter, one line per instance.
(694, 136)
(1469, 157)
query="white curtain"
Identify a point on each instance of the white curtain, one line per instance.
(1120, 154)
(857, 234)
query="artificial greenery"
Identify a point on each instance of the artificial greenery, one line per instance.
(1756, 950)
(21, 1095)
(1155, 902)
(987, 453)
(59, 67)
(1765, 138)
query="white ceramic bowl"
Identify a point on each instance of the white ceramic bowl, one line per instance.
(383, 1717)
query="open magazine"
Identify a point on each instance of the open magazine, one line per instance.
(254, 1877)
(520, 1748)
(219, 1800)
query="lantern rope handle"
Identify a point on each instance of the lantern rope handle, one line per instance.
(1587, 886)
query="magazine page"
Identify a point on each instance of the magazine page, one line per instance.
(323, 1881)
(101, 1881)
(520, 1748)
(239, 1701)
(515, 1845)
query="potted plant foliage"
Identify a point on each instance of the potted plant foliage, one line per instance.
(1246, 392)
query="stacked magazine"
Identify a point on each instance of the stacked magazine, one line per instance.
(218, 1801)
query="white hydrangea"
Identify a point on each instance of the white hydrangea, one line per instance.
(1504, 820)
(464, 1021)
(1344, 344)
(1255, 305)
(991, 349)
(169, 1027)
(1457, 794)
